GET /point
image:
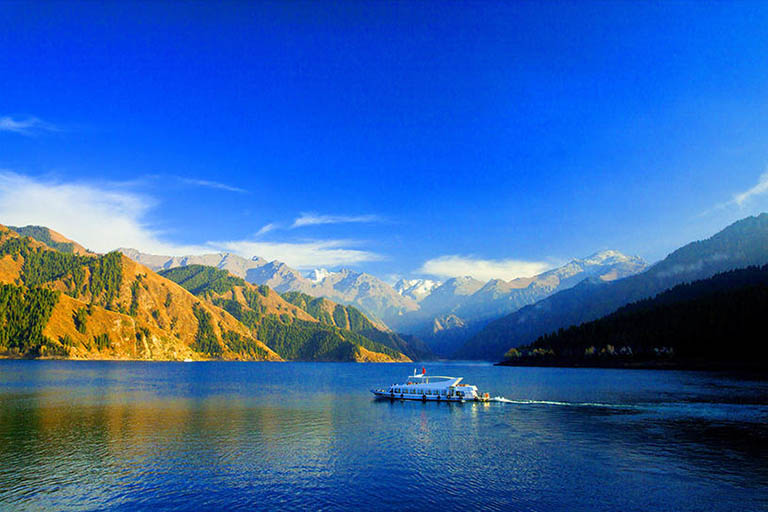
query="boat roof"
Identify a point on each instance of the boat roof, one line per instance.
(425, 376)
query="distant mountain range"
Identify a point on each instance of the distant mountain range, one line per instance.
(297, 327)
(444, 314)
(372, 295)
(740, 245)
(313, 316)
(458, 308)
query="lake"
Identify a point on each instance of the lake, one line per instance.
(90, 435)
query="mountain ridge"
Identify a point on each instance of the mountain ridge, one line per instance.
(690, 325)
(741, 244)
(445, 314)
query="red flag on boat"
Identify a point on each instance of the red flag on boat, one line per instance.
(423, 370)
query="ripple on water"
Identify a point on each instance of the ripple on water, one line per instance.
(136, 436)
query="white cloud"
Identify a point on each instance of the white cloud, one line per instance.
(103, 218)
(456, 266)
(760, 188)
(313, 219)
(29, 126)
(214, 184)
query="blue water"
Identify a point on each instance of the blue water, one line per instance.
(306, 436)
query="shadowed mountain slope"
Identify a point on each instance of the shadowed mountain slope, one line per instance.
(714, 322)
(740, 245)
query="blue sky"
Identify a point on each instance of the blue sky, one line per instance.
(397, 138)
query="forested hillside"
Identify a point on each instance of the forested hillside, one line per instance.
(351, 318)
(65, 304)
(712, 322)
(288, 329)
(742, 244)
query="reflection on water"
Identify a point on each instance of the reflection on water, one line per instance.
(94, 435)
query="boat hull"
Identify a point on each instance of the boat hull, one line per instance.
(423, 398)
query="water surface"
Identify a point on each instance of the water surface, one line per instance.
(204, 436)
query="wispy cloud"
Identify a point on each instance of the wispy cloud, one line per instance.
(29, 126)
(267, 228)
(740, 200)
(759, 189)
(456, 266)
(213, 184)
(313, 219)
(105, 217)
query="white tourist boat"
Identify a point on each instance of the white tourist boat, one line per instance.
(437, 388)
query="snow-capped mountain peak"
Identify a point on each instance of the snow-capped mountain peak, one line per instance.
(607, 257)
(416, 289)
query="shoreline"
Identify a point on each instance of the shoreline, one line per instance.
(761, 367)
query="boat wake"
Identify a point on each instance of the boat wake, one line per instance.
(501, 399)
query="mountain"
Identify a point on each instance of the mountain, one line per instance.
(51, 238)
(375, 297)
(348, 317)
(740, 245)
(71, 303)
(691, 325)
(460, 307)
(498, 297)
(324, 332)
(88, 306)
(231, 263)
(446, 315)
(416, 289)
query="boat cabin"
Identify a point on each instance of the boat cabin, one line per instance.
(433, 387)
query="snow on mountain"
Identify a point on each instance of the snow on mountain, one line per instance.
(416, 289)
(453, 308)
(370, 294)
(460, 306)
